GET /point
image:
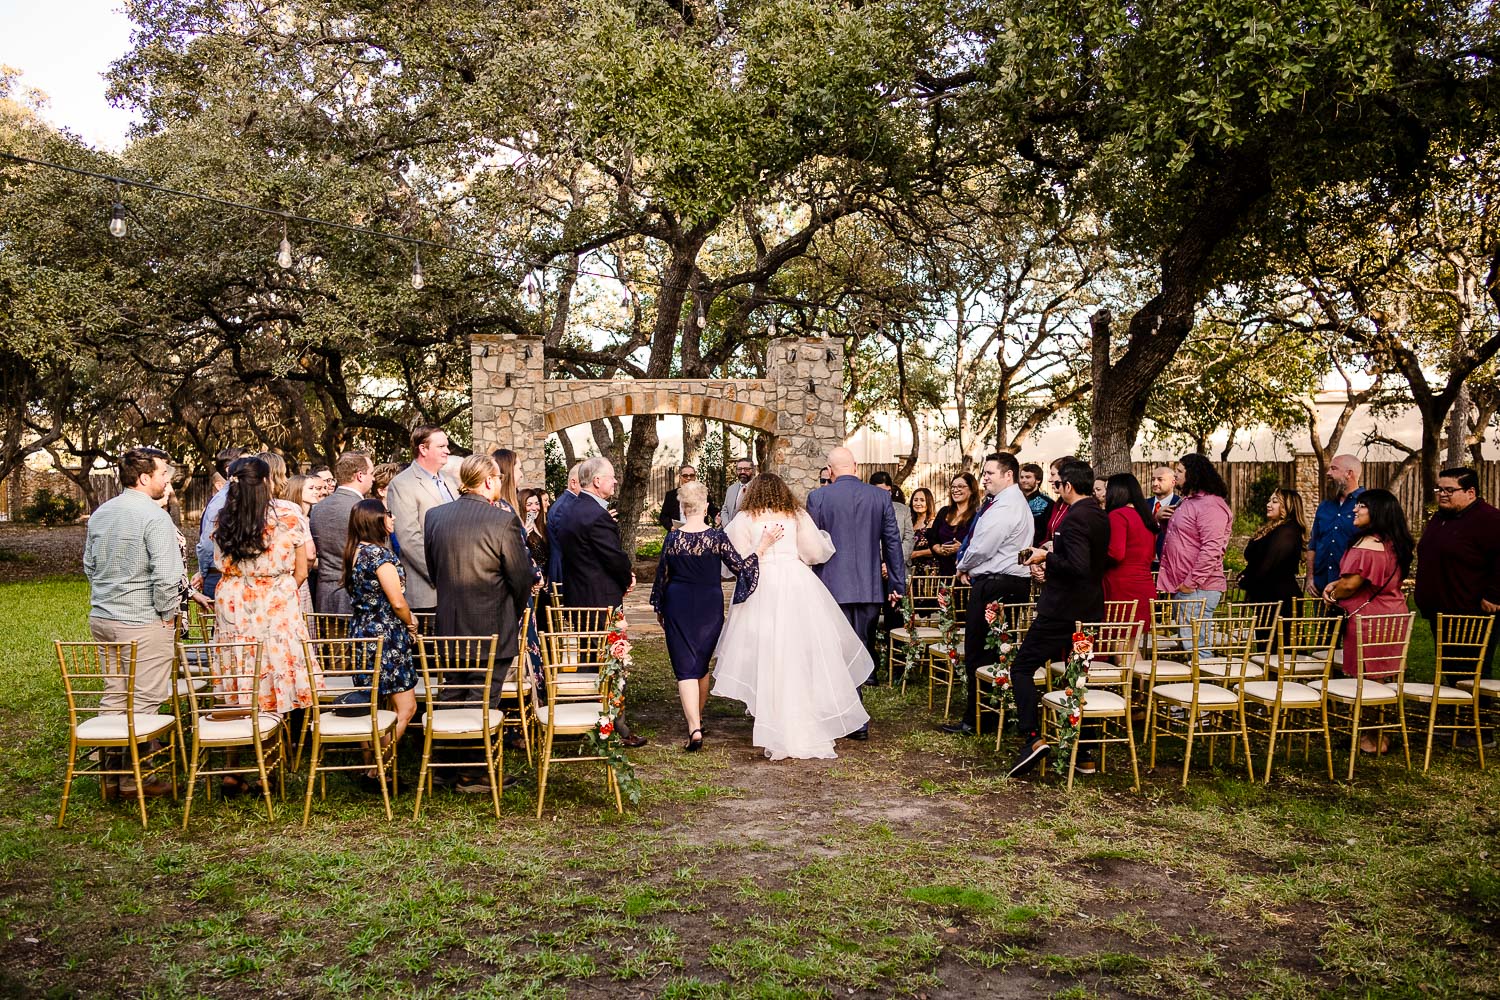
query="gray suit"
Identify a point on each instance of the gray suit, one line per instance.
(329, 522)
(409, 497)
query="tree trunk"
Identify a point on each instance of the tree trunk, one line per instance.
(635, 479)
(694, 433)
(1458, 428)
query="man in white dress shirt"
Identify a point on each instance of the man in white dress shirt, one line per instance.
(421, 486)
(990, 561)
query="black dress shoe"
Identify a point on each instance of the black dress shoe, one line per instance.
(862, 733)
(958, 728)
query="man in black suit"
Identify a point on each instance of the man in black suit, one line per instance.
(478, 562)
(329, 523)
(1073, 592)
(596, 569)
(671, 509)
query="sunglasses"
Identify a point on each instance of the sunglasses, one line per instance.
(824, 480)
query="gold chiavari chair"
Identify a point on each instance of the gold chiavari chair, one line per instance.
(1198, 704)
(322, 628)
(1383, 642)
(521, 688)
(1020, 617)
(227, 719)
(1116, 612)
(580, 619)
(1266, 615)
(571, 711)
(1489, 699)
(360, 726)
(1460, 642)
(1105, 713)
(1170, 663)
(1304, 653)
(458, 673)
(426, 623)
(917, 633)
(99, 682)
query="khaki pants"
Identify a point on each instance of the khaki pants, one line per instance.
(156, 644)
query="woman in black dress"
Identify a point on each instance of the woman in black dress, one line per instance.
(952, 523)
(688, 598)
(1274, 555)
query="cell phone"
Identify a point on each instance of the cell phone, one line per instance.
(1024, 556)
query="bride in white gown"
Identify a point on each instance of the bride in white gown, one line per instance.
(787, 651)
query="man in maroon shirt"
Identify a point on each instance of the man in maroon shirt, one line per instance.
(1458, 558)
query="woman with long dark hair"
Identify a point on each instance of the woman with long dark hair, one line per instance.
(1192, 555)
(1370, 576)
(1274, 555)
(923, 511)
(1132, 546)
(952, 523)
(509, 496)
(259, 546)
(376, 584)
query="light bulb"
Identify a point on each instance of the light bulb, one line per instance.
(702, 321)
(772, 328)
(117, 226)
(284, 256)
(418, 280)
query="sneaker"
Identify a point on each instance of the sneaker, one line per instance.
(1030, 755)
(1085, 763)
(474, 786)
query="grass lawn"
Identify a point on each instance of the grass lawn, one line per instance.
(908, 867)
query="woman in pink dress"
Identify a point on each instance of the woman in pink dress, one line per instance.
(1370, 577)
(1132, 546)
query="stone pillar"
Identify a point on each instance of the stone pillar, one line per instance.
(1308, 482)
(508, 388)
(808, 376)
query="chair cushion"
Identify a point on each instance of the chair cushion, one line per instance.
(236, 730)
(1348, 689)
(1095, 703)
(1209, 695)
(1489, 687)
(1292, 693)
(1299, 664)
(1168, 670)
(331, 726)
(925, 633)
(576, 683)
(1447, 696)
(187, 685)
(1039, 676)
(509, 687)
(462, 721)
(1221, 666)
(572, 716)
(988, 674)
(114, 727)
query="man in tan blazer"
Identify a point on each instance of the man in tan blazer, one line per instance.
(421, 486)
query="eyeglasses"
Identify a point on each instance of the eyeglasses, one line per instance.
(688, 475)
(824, 480)
(1448, 491)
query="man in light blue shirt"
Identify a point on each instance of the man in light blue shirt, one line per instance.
(135, 573)
(207, 580)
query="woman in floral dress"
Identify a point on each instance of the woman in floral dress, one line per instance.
(376, 582)
(260, 549)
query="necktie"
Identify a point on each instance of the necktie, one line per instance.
(969, 535)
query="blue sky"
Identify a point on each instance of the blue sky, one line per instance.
(62, 48)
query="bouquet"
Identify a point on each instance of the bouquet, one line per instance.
(1000, 638)
(1075, 690)
(605, 738)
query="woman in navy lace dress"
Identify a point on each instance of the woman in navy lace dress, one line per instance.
(689, 599)
(376, 584)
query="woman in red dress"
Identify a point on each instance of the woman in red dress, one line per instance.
(1132, 546)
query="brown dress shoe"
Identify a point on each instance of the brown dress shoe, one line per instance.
(152, 789)
(632, 741)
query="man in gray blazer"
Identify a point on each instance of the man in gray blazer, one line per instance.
(418, 488)
(329, 523)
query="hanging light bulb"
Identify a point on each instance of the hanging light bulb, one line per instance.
(284, 254)
(772, 328)
(117, 227)
(417, 278)
(702, 319)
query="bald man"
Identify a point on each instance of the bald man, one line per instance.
(1333, 524)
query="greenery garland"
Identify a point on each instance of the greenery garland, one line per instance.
(1002, 696)
(1075, 692)
(947, 626)
(605, 738)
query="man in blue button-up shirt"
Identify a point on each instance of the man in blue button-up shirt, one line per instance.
(135, 572)
(207, 578)
(1333, 524)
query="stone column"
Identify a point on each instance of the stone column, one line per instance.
(1307, 482)
(508, 400)
(808, 376)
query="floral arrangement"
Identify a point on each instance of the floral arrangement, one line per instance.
(605, 739)
(947, 626)
(1000, 638)
(1075, 685)
(910, 621)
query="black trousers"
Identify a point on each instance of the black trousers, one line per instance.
(985, 589)
(863, 618)
(1048, 639)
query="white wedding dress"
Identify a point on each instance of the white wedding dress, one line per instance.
(787, 651)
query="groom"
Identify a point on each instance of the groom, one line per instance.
(862, 523)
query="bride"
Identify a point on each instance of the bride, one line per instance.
(787, 651)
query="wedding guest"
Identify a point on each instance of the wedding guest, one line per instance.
(891, 617)
(299, 494)
(1059, 509)
(374, 587)
(953, 522)
(381, 480)
(510, 489)
(1164, 498)
(1458, 560)
(509, 501)
(923, 561)
(1040, 503)
(263, 560)
(596, 569)
(1101, 485)
(207, 577)
(1192, 559)
(330, 529)
(1333, 524)
(1073, 592)
(744, 471)
(1273, 556)
(1369, 583)
(557, 516)
(1132, 545)
(186, 591)
(825, 476)
(534, 525)
(991, 565)
(688, 598)
(324, 475)
(671, 509)
(413, 492)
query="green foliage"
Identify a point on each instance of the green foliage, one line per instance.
(1259, 494)
(51, 508)
(649, 549)
(557, 467)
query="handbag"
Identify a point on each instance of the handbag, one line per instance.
(352, 704)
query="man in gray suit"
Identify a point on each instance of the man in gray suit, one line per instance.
(329, 522)
(418, 488)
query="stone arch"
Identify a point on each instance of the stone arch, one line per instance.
(565, 409)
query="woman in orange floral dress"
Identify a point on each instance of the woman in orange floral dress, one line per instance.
(260, 548)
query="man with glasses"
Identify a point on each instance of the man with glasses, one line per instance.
(1333, 524)
(825, 476)
(671, 510)
(1060, 509)
(1458, 557)
(744, 471)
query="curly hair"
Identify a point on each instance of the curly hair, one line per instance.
(768, 491)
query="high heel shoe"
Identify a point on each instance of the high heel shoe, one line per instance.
(695, 741)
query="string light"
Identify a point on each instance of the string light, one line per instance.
(117, 227)
(417, 278)
(284, 255)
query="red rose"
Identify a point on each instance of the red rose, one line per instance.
(605, 728)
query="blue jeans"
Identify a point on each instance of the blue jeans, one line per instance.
(1210, 599)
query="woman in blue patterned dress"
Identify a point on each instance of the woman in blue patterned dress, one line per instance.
(688, 598)
(376, 585)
